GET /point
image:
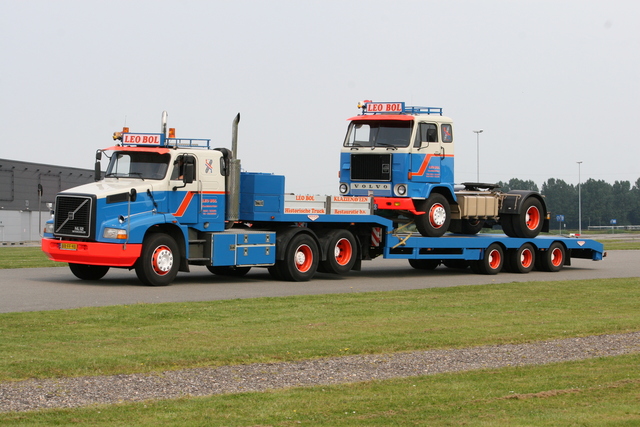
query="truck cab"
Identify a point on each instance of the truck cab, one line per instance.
(403, 157)
(392, 150)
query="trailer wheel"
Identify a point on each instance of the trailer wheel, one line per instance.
(341, 252)
(529, 222)
(160, 260)
(424, 264)
(459, 264)
(88, 272)
(552, 259)
(300, 259)
(521, 260)
(492, 261)
(228, 270)
(437, 217)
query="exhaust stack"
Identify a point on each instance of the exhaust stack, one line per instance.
(233, 189)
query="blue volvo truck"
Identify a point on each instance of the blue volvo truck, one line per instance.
(166, 203)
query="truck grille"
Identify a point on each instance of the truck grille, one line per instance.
(73, 216)
(371, 167)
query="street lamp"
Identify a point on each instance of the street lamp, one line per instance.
(579, 201)
(478, 132)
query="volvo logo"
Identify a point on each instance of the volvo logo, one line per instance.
(71, 216)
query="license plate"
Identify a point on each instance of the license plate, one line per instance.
(69, 246)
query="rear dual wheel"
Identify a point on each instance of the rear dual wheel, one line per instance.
(300, 261)
(552, 259)
(526, 224)
(492, 261)
(521, 260)
(341, 252)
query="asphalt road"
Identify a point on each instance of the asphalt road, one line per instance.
(36, 289)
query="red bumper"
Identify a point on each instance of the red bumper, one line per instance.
(92, 253)
(396, 203)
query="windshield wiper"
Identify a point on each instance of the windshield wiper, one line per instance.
(384, 144)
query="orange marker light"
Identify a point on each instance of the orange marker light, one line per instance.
(172, 132)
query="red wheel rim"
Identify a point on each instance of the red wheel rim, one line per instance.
(162, 260)
(343, 251)
(437, 215)
(556, 257)
(303, 258)
(532, 219)
(526, 258)
(494, 259)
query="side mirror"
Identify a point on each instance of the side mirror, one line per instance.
(189, 173)
(97, 172)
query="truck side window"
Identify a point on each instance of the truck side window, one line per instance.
(447, 133)
(178, 166)
(427, 133)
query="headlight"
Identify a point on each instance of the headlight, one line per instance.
(344, 188)
(401, 190)
(48, 228)
(114, 233)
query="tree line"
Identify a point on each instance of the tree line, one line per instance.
(601, 202)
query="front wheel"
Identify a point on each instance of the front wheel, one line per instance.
(436, 218)
(88, 272)
(160, 260)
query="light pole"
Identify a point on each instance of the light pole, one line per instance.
(478, 132)
(579, 201)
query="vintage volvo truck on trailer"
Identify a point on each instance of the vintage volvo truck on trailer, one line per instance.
(166, 203)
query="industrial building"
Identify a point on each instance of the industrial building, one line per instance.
(22, 214)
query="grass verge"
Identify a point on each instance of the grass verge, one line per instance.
(154, 337)
(593, 392)
(25, 257)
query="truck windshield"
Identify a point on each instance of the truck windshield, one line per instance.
(138, 165)
(379, 133)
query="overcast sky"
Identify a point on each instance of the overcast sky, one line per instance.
(551, 83)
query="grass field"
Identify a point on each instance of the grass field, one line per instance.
(156, 337)
(147, 338)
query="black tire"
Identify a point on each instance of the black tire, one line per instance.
(506, 222)
(274, 272)
(459, 264)
(528, 223)
(552, 259)
(471, 226)
(228, 270)
(300, 261)
(492, 262)
(160, 260)
(341, 252)
(521, 260)
(436, 218)
(88, 272)
(424, 264)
